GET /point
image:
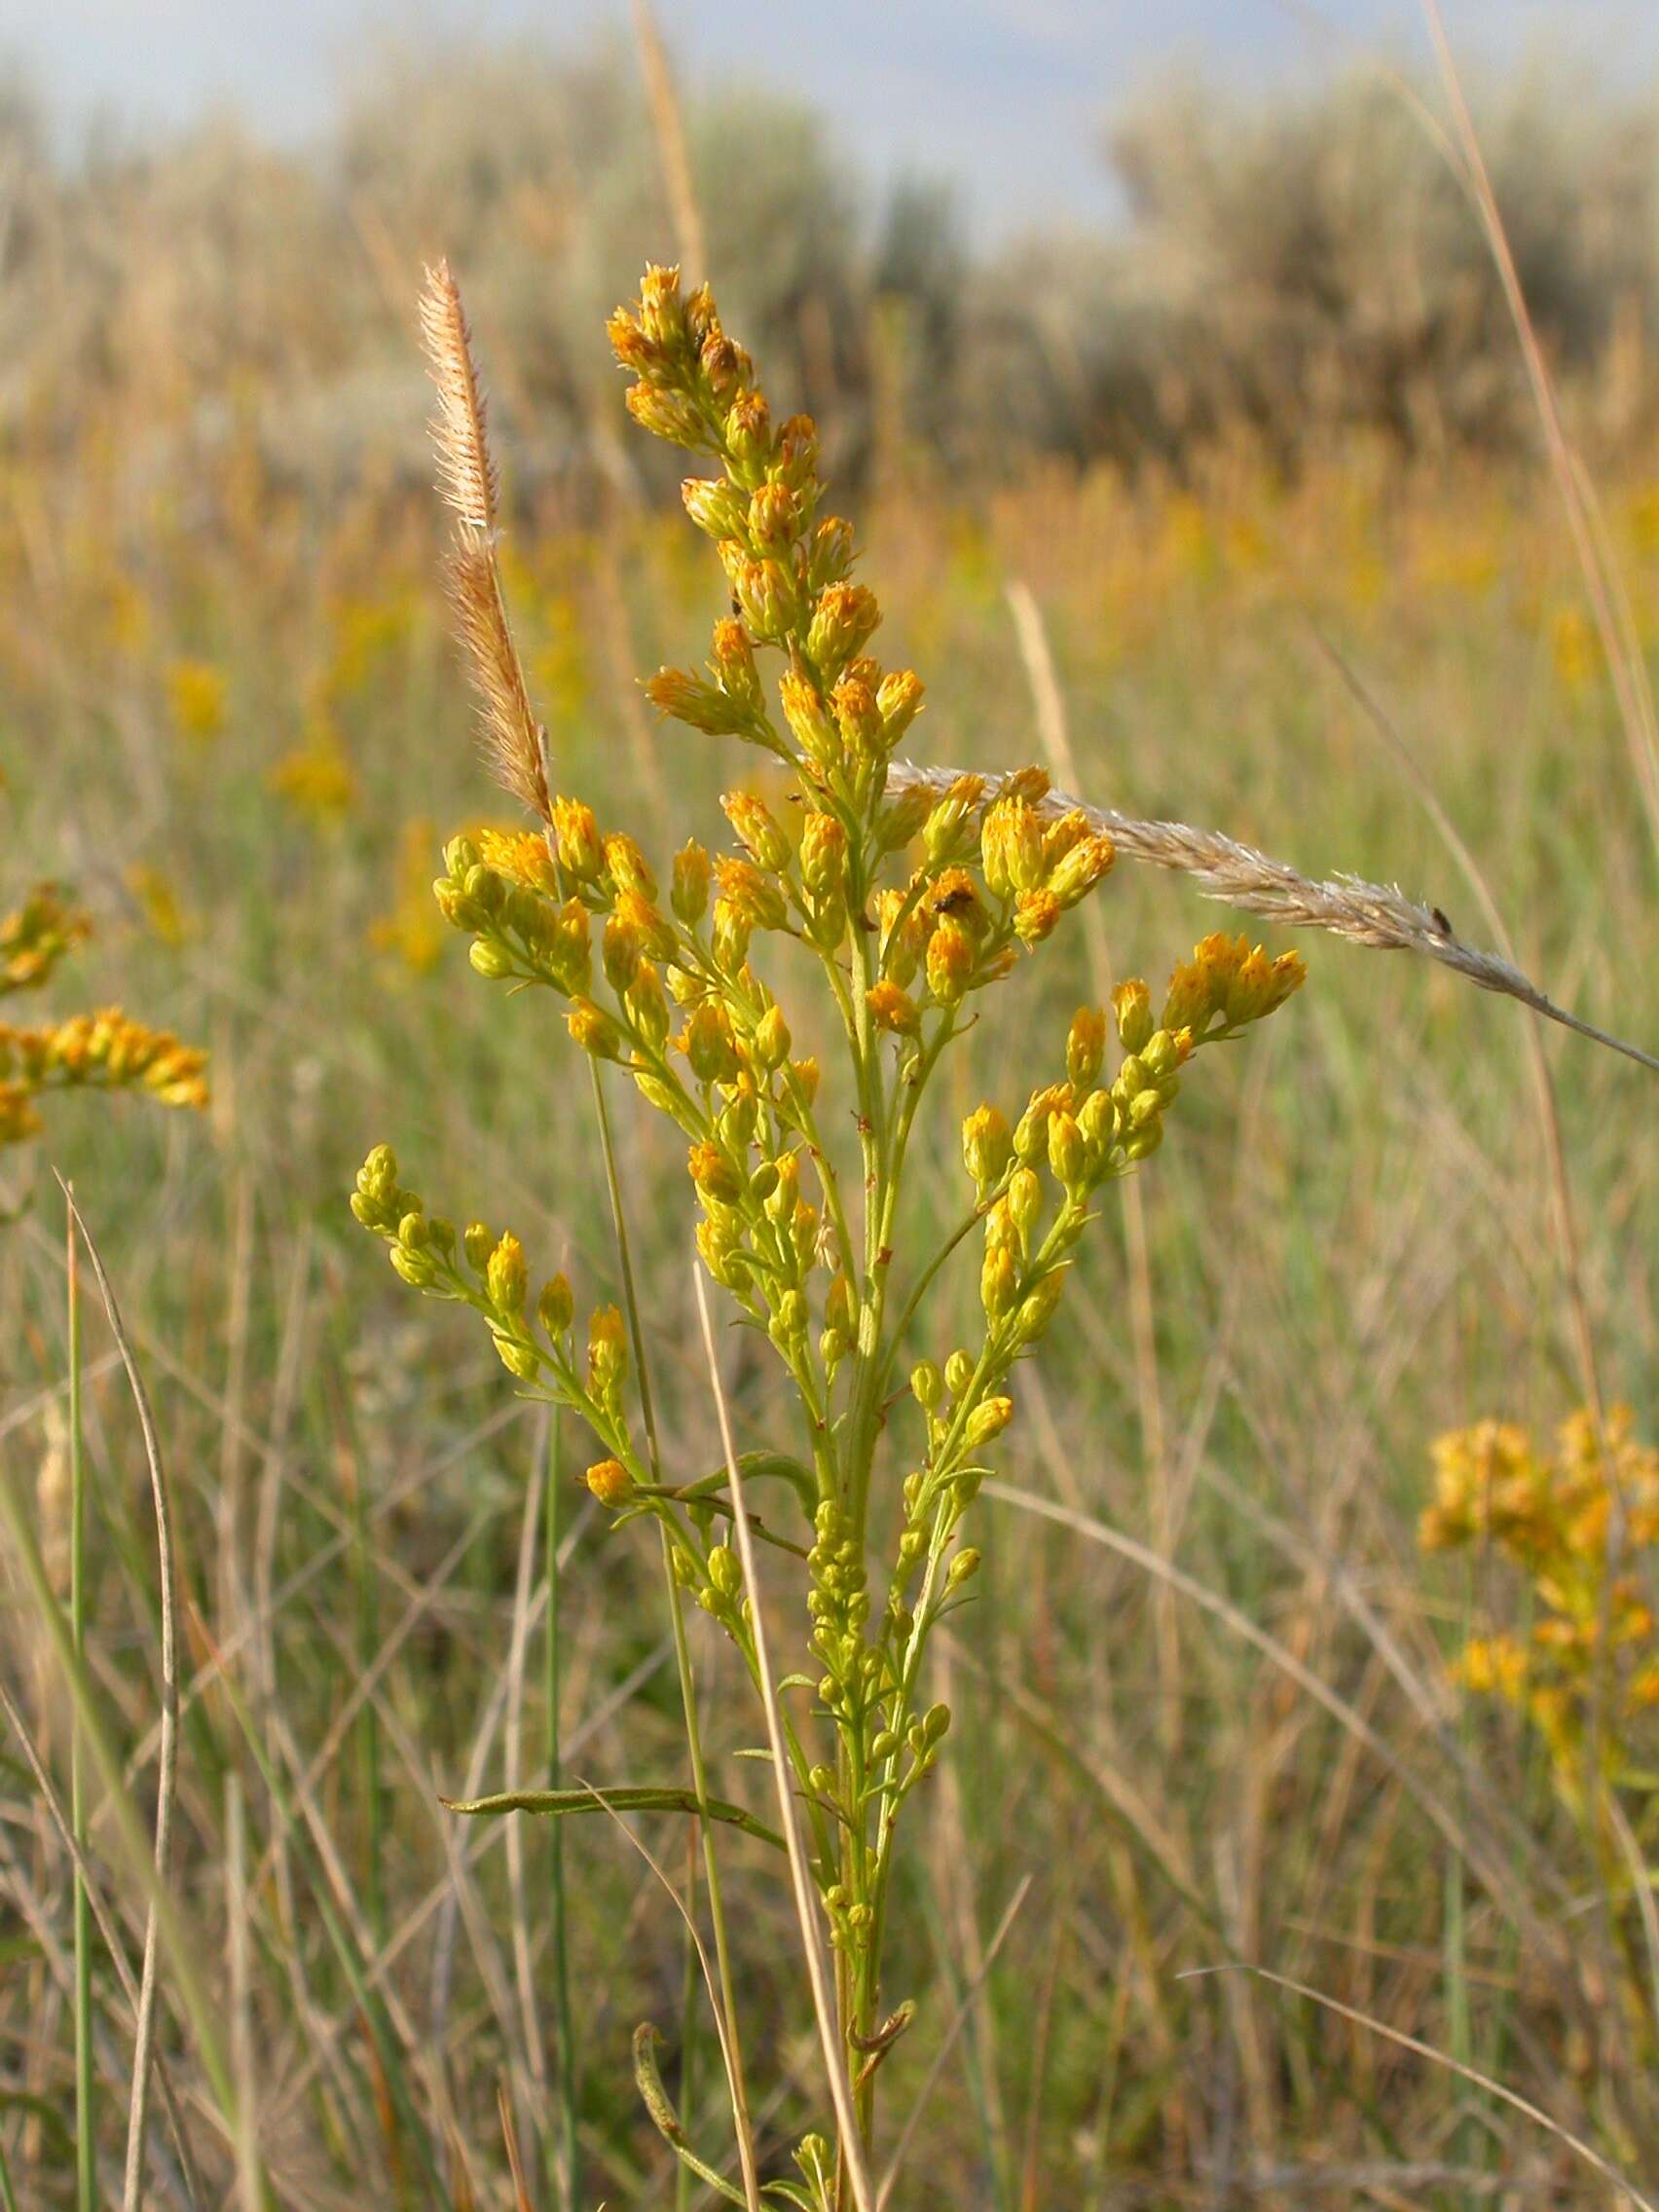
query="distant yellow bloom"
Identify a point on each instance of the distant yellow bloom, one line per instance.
(412, 929)
(1574, 649)
(315, 777)
(158, 903)
(196, 699)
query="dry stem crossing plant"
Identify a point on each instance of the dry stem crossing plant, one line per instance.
(914, 902)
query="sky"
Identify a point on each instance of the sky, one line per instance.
(1005, 98)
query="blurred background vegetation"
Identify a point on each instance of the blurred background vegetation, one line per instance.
(1280, 410)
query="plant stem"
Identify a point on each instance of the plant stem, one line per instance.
(561, 2148)
(86, 2147)
(682, 1651)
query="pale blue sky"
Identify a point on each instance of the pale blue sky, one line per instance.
(1003, 97)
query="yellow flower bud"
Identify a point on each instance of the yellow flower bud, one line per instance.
(715, 505)
(900, 700)
(1086, 1047)
(831, 553)
(490, 960)
(648, 1006)
(505, 1277)
(771, 518)
(987, 1147)
(948, 832)
(708, 1045)
(927, 1386)
(999, 1282)
(689, 699)
(594, 1031)
(610, 1483)
(958, 1372)
(1036, 914)
(988, 1420)
(1081, 868)
(1067, 1151)
(772, 1039)
(951, 961)
(621, 953)
(749, 896)
(756, 825)
(607, 1350)
(627, 866)
(766, 592)
(859, 719)
(842, 621)
(1011, 848)
(517, 1358)
(734, 663)
(690, 893)
(806, 1075)
(823, 859)
(576, 834)
(555, 1309)
(716, 1179)
(893, 1010)
(1131, 1003)
(808, 718)
(1024, 1201)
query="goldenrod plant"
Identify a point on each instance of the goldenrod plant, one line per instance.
(914, 907)
(104, 1051)
(1579, 1524)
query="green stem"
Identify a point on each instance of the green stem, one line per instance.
(86, 2147)
(682, 1651)
(561, 2147)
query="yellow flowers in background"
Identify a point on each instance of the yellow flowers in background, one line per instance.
(1574, 1520)
(197, 699)
(1575, 651)
(315, 777)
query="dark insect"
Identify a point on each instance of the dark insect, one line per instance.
(956, 901)
(1441, 922)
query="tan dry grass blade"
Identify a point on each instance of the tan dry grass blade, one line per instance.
(669, 127)
(1376, 914)
(1576, 2144)
(167, 1770)
(467, 480)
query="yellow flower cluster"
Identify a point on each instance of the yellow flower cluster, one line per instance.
(1553, 1515)
(104, 1052)
(195, 700)
(36, 935)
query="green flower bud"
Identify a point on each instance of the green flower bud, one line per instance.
(988, 1420)
(1067, 1151)
(556, 1307)
(958, 1372)
(492, 961)
(999, 1283)
(1025, 1202)
(927, 1384)
(517, 1358)
(963, 1569)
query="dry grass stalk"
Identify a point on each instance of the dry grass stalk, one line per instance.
(468, 482)
(1374, 915)
(669, 125)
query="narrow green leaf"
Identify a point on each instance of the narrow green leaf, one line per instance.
(632, 1797)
